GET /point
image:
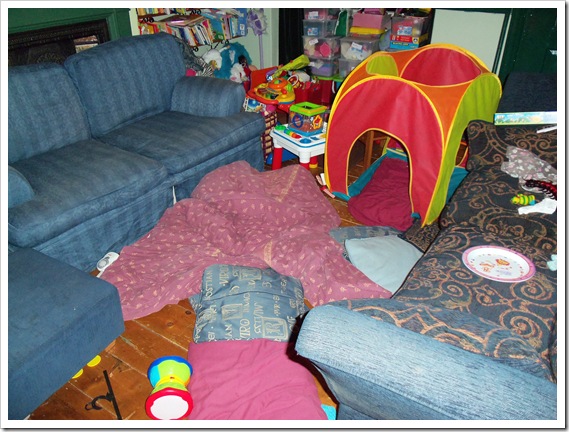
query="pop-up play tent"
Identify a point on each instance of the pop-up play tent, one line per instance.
(423, 98)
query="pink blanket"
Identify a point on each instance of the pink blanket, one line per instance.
(240, 216)
(251, 380)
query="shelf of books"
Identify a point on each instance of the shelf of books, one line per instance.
(196, 26)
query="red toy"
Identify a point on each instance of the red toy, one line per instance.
(548, 188)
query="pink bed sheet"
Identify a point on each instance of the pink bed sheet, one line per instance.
(240, 216)
(250, 380)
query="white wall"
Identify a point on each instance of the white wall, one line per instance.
(269, 41)
(478, 32)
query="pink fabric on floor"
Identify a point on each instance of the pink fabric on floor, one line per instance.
(250, 380)
(385, 201)
(240, 216)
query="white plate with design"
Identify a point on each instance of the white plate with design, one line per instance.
(498, 263)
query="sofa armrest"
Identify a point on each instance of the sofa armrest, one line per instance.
(19, 190)
(385, 372)
(208, 96)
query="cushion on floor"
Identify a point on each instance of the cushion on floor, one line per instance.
(386, 260)
(242, 303)
(251, 380)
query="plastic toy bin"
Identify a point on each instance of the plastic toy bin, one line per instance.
(319, 28)
(358, 48)
(307, 118)
(346, 66)
(321, 13)
(323, 67)
(322, 47)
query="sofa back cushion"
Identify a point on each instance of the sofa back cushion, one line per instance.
(127, 79)
(44, 111)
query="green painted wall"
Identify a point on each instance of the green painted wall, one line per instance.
(25, 19)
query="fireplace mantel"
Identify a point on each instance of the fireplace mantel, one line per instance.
(26, 19)
(52, 35)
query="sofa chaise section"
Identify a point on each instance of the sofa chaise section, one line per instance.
(59, 319)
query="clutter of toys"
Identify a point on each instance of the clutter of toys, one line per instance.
(335, 41)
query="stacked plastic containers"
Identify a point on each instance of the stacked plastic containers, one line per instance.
(362, 42)
(320, 44)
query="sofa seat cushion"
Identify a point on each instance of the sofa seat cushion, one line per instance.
(461, 329)
(182, 141)
(59, 318)
(76, 183)
(440, 279)
(483, 200)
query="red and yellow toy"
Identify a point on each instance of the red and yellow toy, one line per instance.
(278, 90)
(170, 399)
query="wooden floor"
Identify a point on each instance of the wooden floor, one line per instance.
(167, 332)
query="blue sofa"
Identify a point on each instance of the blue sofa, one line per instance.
(451, 344)
(100, 146)
(98, 149)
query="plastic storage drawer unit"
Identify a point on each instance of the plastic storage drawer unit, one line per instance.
(358, 48)
(323, 67)
(321, 13)
(346, 66)
(319, 28)
(322, 47)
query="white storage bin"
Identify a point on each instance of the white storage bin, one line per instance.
(358, 48)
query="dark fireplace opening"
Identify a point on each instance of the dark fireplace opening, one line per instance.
(55, 44)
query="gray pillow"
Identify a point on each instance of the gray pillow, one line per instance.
(385, 260)
(244, 303)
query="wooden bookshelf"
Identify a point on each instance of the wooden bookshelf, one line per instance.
(195, 26)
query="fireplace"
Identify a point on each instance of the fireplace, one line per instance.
(55, 44)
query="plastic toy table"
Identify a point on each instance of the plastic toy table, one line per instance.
(307, 148)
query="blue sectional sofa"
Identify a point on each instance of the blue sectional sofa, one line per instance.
(99, 146)
(98, 149)
(451, 344)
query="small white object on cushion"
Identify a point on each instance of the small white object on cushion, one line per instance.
(386, 260)
(547, 206)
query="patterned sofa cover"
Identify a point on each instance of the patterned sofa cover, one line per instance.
(478, 349)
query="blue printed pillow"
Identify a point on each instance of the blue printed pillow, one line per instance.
(244, 303)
